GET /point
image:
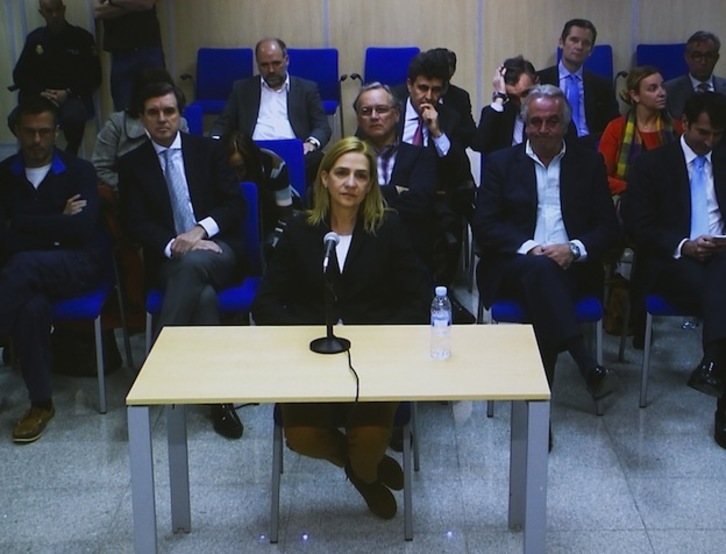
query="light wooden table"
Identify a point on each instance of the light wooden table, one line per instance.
(215, 365)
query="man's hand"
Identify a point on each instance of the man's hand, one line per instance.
(430, 118)
(559, 253)
(498, 80)
(701, 248)
(207, 245)
(57, 96)
(74, 205)
(308, 147)
(185, 242)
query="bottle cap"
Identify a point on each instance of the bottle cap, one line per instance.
(440, 291)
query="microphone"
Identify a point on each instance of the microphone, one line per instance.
(330, 240)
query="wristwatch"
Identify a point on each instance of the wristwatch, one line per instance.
(503, 95)
(575, 251)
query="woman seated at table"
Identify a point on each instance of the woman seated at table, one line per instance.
(377, 280)
(646, 125)
(269, 172)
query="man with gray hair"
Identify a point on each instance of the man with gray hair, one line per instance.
(543, 220)
(701, 56)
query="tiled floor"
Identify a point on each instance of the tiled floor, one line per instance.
(635, 480)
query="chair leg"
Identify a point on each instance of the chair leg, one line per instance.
(276, 476)
(149, 327)
(598, 354)
(100, 369)
(624, 334)
(122, 315)
(646, 360)
(414, 436)
(490, 408)
(407, 507)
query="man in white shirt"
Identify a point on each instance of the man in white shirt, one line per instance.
(674, 213)
(276, 105)
(544, 220)
(701, 56)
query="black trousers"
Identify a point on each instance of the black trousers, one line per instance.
(29, 283)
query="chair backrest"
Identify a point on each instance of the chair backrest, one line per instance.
(218, 69)
(600, 61)
(388, 65)
(319, 65)
(668, 58)
(290, 150)
(251, 232)
(194, 114)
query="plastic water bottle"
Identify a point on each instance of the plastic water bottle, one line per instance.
(441, 325)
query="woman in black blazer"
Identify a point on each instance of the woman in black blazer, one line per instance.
(377, 280)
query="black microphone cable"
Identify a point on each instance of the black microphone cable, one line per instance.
(355, 374)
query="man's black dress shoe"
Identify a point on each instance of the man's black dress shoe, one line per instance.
(601, 381)
(226, 421)
(459, 314)
(719, 433)
(704, 379)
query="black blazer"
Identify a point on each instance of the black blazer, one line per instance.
(381, 282)
(146, 207)
(496, 129)
(460, 101)
(656, 208)
(506, 208)
(304, 108)
(601, 106)
(454, 168)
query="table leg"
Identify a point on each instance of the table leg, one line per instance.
(181, 518)
(142, 479)
(528, 472)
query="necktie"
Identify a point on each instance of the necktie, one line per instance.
(702, 87)
(418, 134)
(699, 202)
(573, 97)
(178, 194)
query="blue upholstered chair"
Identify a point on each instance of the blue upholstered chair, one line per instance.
(655, 306)
(217, 70)
(387, 65)
(668, 58)
(88, 307)
(405, 418)
(319, 65)
(290, 150)
(237, 298)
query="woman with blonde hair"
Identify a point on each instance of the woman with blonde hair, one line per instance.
(377, 280)
(646, 125)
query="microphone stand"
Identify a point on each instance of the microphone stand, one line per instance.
(329, 344)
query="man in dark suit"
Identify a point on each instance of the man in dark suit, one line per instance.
(179, 200)
(457, 98)
(427, 122)
(406, 173)
(543, 220)
(701, 57)
(276, 105)
(60, 62)
(501, 124)
(48, 248)
(592, 98)
(674, 212)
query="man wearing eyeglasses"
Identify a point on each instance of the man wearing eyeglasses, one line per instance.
(701, 56)
(406, 173)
